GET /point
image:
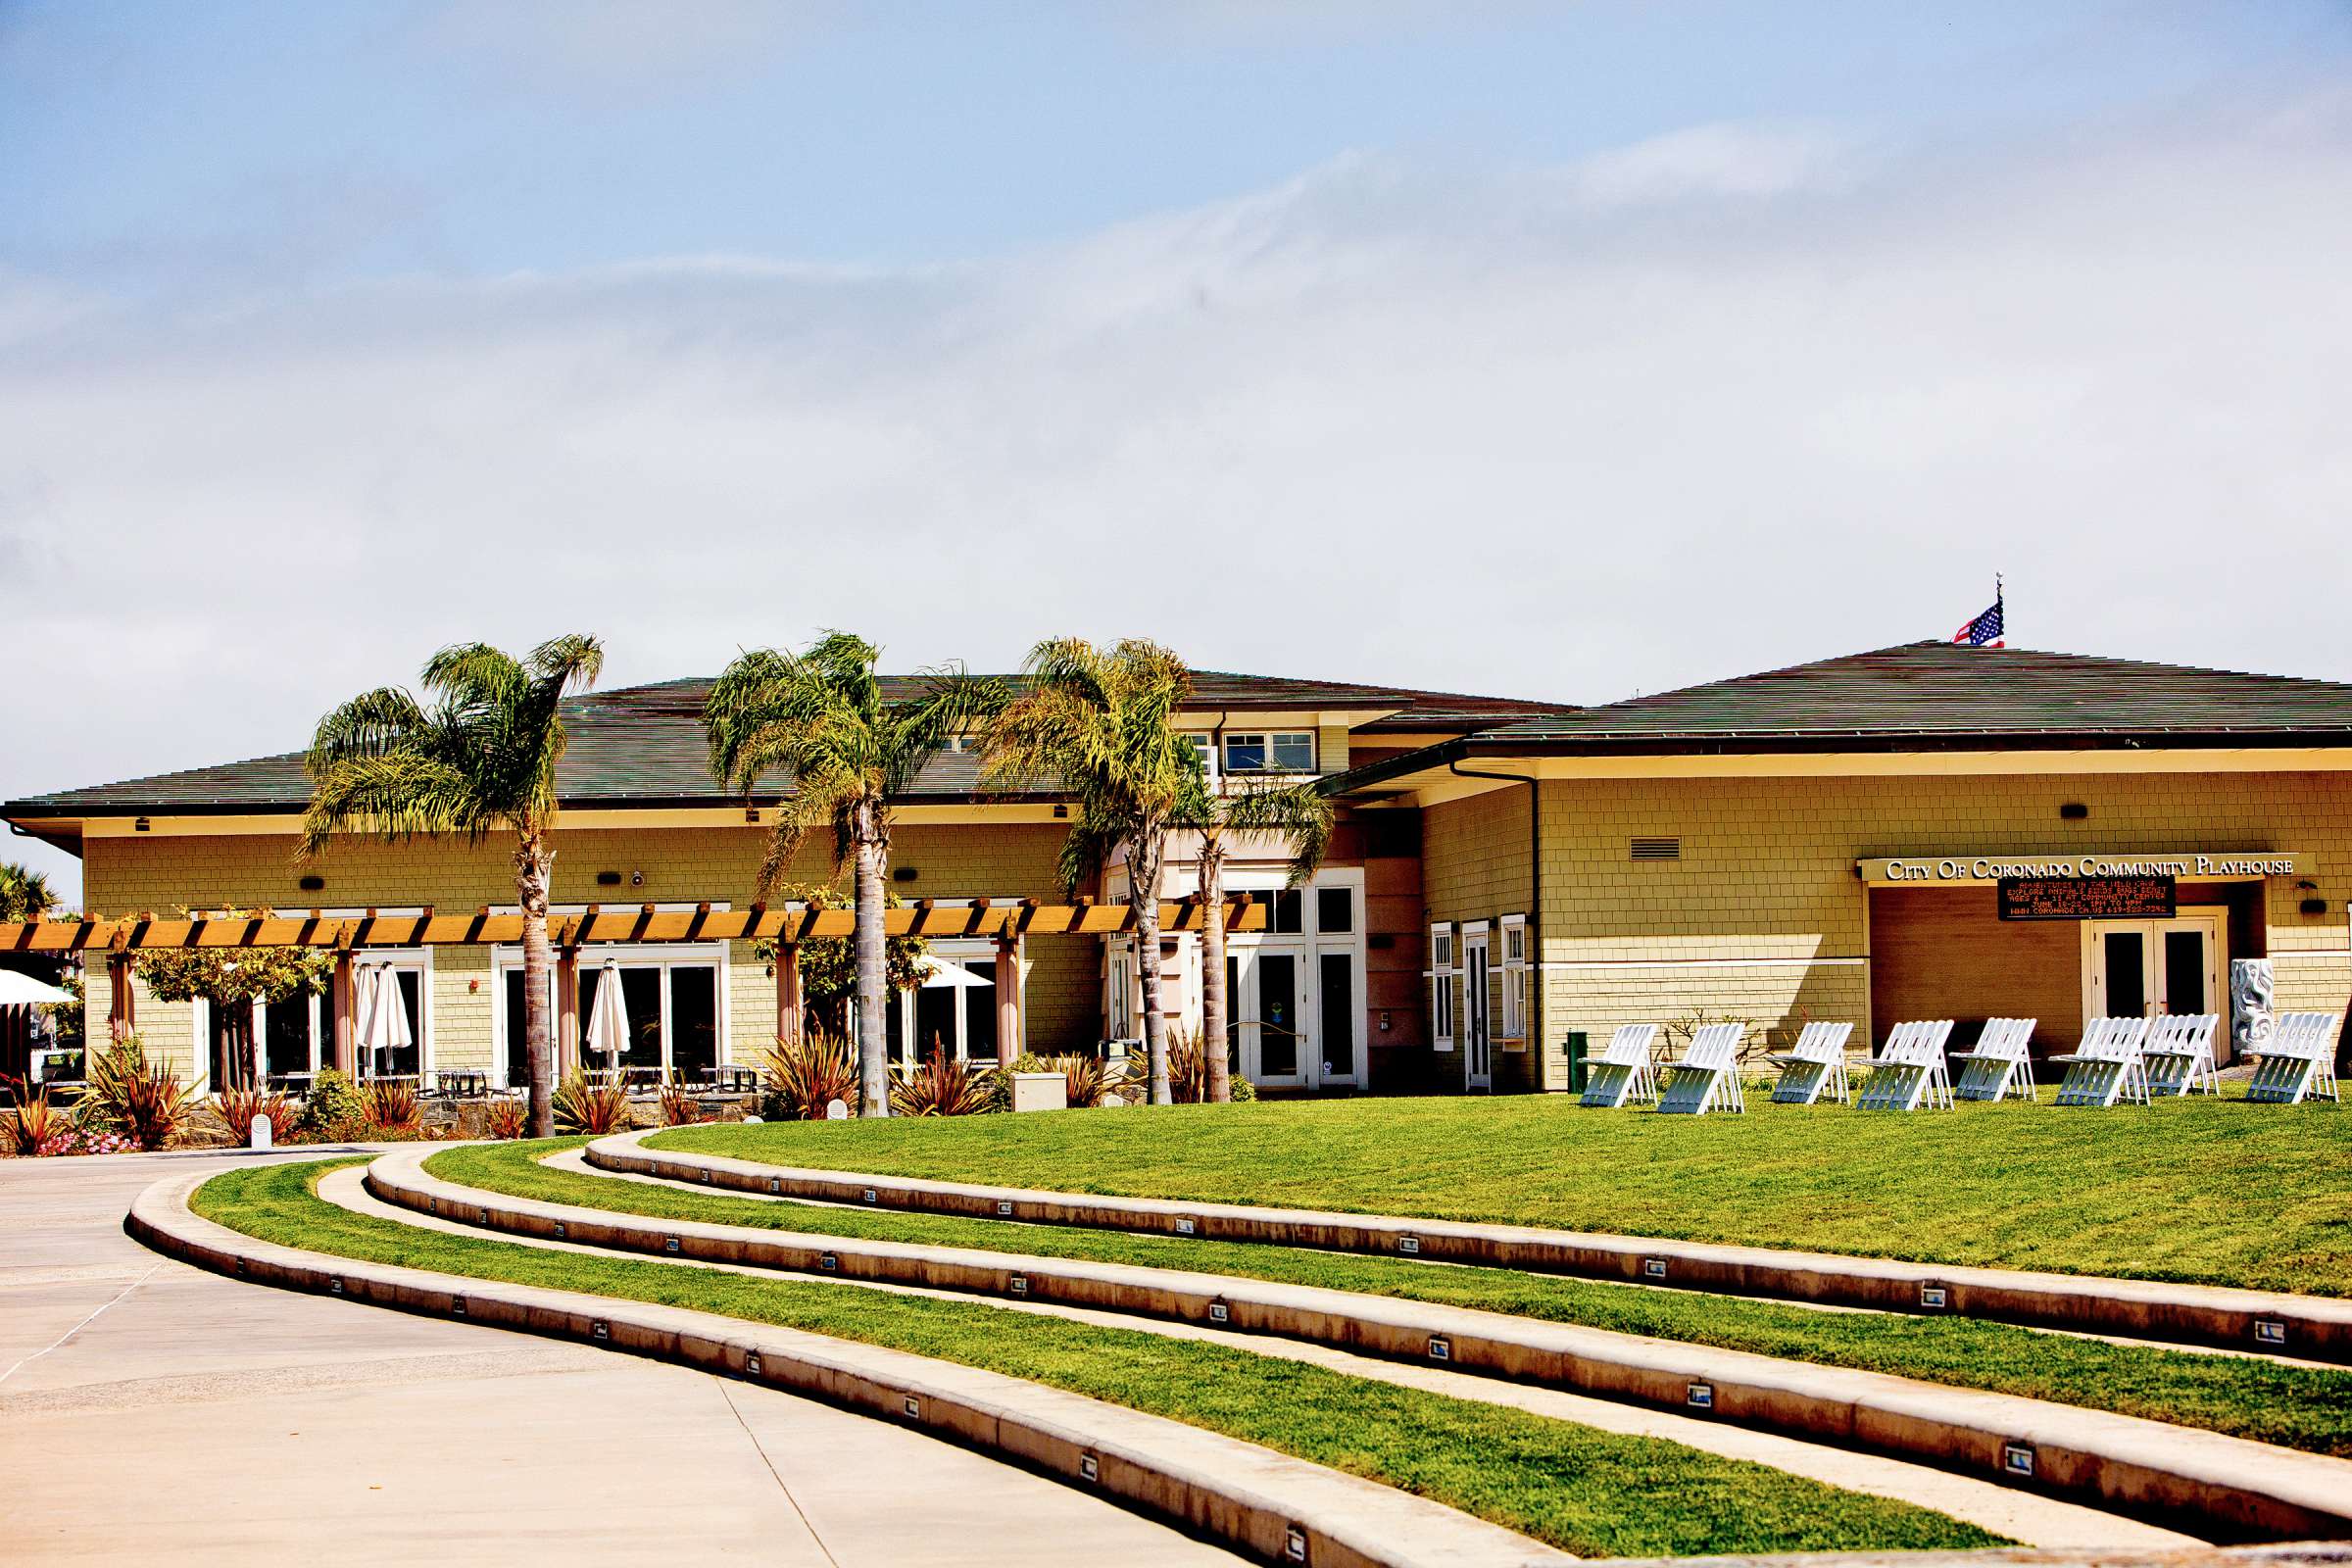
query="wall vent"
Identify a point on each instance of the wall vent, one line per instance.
(1657, 849)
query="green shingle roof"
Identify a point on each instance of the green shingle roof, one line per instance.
(644, 745)
(1927, 696)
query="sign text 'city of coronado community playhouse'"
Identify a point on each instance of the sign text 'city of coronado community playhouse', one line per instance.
(2216, 865)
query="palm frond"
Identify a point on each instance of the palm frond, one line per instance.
(399, 794)
(475, 675)
(369, 725)
(1296, 812)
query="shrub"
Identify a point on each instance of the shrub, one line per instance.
(1188, 1072)
(800, 1077)
(332, 1110)
(36, 1120)
(238, 1106)
(510, 1118)
(390, 1103)
(679, 1109)
(943, 1087)
(126, 1094)
(594, 1108)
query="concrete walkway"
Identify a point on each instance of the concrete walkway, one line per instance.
(149, 1411)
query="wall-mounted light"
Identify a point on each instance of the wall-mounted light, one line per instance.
(751, 813)
(636, 879)
(1060, 812)
(140, 826)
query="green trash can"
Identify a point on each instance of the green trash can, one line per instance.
(1573, 1047)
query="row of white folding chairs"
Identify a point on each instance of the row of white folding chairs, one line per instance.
(2298, 1061)
(1910, 1070)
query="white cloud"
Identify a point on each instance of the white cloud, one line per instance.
(1716, 404)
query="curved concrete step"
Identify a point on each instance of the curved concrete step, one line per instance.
(2313, 1327)
(2038, 1521)
(2229, 1485)
(1266, 1504)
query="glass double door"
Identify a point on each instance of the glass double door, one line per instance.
(1272, 993)
(2142, 968)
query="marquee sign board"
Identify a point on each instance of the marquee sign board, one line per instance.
(2090, 898)
(1985, 870)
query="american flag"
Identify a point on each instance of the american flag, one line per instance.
(1984, 632)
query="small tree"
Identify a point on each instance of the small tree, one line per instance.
(480, 761)
(819, 719)
(232, 980)
(1102, 722)
(1292, 812)
(829, 964)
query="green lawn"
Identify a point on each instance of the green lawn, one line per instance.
(1590, 1493)
(2300, 1407)
(2219, 1192)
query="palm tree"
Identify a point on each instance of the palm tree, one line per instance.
(1102, 722)
(481, 759)
(820, 717)
(1292, 812)
(25, 893)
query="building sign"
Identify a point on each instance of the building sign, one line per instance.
(2087, 897)
(1981, 870)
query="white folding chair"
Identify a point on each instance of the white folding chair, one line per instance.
(2107, 1066)
(2001, 1062)
(1709, 1075)
(2179, 1054)
(1910, 1071)
(2298, 1061)
(1624, 1071)
(1815, 1063)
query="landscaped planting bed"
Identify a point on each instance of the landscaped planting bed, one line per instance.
(1590, 1493)
(2302, 1407)
(2207, 1191)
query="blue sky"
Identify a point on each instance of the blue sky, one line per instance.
(1565, 350)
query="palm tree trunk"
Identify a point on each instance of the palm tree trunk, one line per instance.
(873, 1022)
(249, 1044)
(534, 869)
(1216, 1060)
(1144, 857)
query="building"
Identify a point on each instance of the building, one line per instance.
(1921, 831)
(1839, 840)
(1327, 997)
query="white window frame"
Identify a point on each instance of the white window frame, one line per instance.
(1443, 976)
(963, 952)
(1267, 741)
(1514, 982)
(323, 1040)
(1205, 744)
(662, 955)
(1120, 1020)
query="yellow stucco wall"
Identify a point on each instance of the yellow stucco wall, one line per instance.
(1763, 917)
(164, 872)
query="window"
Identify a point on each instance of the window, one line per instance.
(1443, 985)
(957, 1021)
(1335, 910)
(1275, 751)
(1119, 1009)
(1207, 751)
(1514, 977)
(1285, 910)
(672, 1010)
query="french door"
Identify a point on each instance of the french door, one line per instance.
(1478, 1034)
(1265, 996)
(2142, 968)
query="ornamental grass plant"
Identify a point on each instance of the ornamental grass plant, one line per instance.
(944, 1086)
(595, 1108)
(143, 1102)
(800, 1077)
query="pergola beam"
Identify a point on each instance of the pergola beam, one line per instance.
(788, 925)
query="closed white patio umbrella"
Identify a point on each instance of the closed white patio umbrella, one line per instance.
(608, 1017)
(383, 1019)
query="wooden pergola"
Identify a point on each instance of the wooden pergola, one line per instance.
(357, 936)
